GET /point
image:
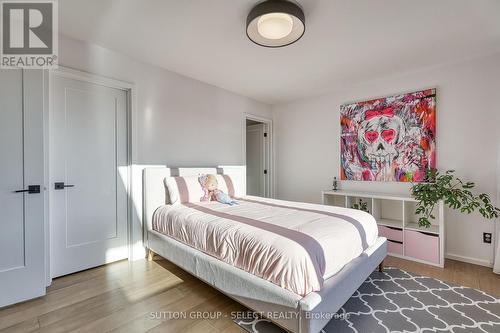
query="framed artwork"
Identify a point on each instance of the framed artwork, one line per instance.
(389, 139)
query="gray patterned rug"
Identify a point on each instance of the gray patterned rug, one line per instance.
(398, 301)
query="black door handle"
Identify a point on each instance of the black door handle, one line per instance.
(31, 189)
(61, 186)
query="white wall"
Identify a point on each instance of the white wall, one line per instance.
(468, 114)
(179, 121)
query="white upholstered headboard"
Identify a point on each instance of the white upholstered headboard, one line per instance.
(155, 193)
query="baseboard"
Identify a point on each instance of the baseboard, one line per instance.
(469, 260)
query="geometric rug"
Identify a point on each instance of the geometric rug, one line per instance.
(398, 301)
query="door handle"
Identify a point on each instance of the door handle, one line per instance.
(61, 186)
(31, 189)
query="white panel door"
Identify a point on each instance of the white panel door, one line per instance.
(88, 163)
(255, 160)
(22, 272)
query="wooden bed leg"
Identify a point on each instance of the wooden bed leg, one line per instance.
(381, 266)
(150, 255)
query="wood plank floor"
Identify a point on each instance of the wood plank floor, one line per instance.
(133, 297)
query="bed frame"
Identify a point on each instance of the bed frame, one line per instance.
(307, 314)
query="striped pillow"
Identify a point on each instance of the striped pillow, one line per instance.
(188, 189)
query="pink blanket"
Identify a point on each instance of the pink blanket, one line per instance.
(294, 245)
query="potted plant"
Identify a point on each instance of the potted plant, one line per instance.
(455, 194)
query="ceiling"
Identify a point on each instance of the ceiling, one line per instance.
(345, 42)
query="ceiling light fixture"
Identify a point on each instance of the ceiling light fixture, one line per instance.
(275, 23)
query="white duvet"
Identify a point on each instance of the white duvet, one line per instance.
(294, 245)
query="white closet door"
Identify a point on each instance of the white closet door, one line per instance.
(22, 272)
(88, 160)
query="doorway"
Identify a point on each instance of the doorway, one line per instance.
(88, 153)
(258, 156)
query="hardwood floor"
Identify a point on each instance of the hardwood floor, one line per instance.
(137, 296)
(461, 273)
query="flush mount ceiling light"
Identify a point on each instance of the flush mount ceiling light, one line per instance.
(275, 23)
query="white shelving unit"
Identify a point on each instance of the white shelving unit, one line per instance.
(397, 221)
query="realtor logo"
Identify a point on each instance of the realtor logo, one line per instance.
(29, 34)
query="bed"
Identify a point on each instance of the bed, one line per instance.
(348, 243)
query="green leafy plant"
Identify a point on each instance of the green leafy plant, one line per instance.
(455, 193)
(360, 205)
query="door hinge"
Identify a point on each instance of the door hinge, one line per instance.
(265, 135)
(265, 172)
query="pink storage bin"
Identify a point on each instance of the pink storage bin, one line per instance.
(390, 233)
(394, 248)
(422, 246)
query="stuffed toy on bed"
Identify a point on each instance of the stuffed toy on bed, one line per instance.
(211, 192)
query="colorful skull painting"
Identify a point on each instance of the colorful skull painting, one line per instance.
(389, 139)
